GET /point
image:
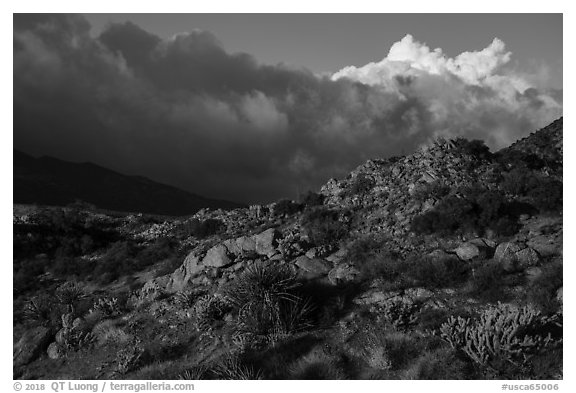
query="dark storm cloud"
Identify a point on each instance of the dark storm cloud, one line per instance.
(186, 112)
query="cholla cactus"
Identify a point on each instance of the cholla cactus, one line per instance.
(208, 310)
(129, 358)
(400, 313)
(501, 333)
(108, 306)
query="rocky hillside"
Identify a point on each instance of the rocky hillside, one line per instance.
(394, 272)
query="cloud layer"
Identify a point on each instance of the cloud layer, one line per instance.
(186, 112)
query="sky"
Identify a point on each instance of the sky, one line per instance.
(254, 108)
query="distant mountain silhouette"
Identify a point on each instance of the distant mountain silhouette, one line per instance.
(50, 181)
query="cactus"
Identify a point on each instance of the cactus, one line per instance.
(400, 313)
(108, 306)
(501, 333)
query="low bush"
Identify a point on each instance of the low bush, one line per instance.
(370, 255)
(442, 363)
(433, 273)
(311, 199)
(360, 185)
(318, 365)
(435, 190)
(324, 226)
(286, 207)
(541, 292)
(202, 229)
(473, 210)
(487, 281)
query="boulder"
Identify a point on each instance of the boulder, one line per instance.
(232, 246)
(441, 255)
(31, 345)
(516, 256)
(527, 257)
(314, 267)
(55, 351)
(189, 269)
(475, 248)
(266, 242)
(217, 256)
(246, 244)
(337, 257)
(505, 254)
(468, 251)
(343, 274)
(377, 296)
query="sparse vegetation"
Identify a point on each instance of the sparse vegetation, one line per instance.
(398, 281)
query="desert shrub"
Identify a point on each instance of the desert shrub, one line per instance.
(323, 226)
(267, 302)
(118, 261)
(547, 195)
(517, 181)
(517, 159)
(442, 363)
(475, 148)
(161, 249)
(25, 272)
(360, 185)
(130, 358)
(435, 190)
(430, 319)
(475, 210)
(434, 272)
(318, 365)
(202, 229)
(400, 348)
(371, 256)
(501, 336)
(311, 199)
(486, 281)
(286, 207)
(106, 332)
(541, 293)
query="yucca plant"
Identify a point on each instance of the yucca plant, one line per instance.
(231, 368)
(69, 294)
(40, 309)
(267, 303)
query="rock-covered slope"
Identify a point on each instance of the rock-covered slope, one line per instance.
(383, 198)
(387, 273)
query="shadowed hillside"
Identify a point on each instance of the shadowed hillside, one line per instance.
(49, 181)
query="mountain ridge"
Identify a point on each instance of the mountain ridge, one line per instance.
(52, 181)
